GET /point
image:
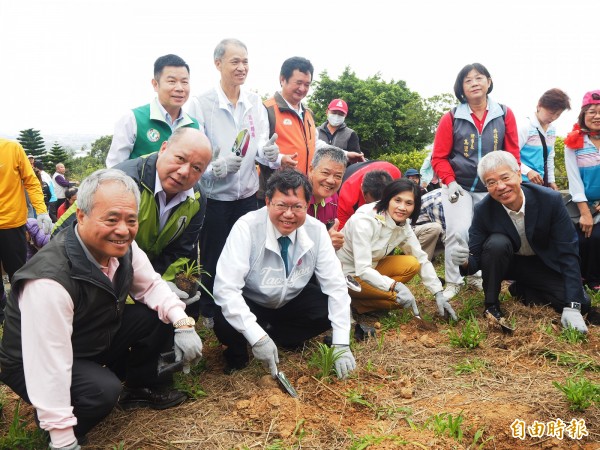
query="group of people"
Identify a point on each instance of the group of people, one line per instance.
(295, 231)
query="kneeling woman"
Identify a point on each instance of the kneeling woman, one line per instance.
(371, 234)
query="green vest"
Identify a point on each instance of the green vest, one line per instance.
(152, 130)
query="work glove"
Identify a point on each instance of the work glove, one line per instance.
(265, 351)
(73, 446)
(454, 190)
(345, 362)
(405, 298)
(231, 163)
(271, 149)
(444, 306)
(188, 346)
(178, 292)
(572, 317)
(44, 222)
(460, 252)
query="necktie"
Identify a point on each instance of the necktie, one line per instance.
(284, 243)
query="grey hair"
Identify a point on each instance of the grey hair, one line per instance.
(89, 186)
(496, 159)
(222, 47)
(335, 154)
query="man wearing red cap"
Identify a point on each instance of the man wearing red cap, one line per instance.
(335, 132)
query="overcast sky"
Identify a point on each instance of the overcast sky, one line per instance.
(76, 66)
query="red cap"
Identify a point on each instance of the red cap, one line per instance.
(591, 98)
(338, 105)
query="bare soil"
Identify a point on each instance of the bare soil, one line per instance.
(405, 376)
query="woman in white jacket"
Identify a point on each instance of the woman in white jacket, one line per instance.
(370, 237)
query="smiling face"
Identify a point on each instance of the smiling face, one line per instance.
(504, 186)
(296, 88)
(287, 212)
(401, 206)
(326, 178)
(173, 88)
(592, 118)
(233, 65)
(182, 160)
(476, 86)
(111, 225)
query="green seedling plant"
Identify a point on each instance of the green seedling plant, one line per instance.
(393, 319)
(470, 305)
(581, 393)
(380, 341)
(192, 269)
(477, 437)
(470, 336)
(21, 437)
(470, 366)
(446, 424)
(356, 397)
(572, 335)
(369, 440)
(577, 361)
(324, 359)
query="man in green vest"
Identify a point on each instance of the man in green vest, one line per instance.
(143, 130)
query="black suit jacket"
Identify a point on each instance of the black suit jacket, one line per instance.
(548, 228)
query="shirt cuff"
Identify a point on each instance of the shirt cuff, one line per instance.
(62, 437)
(176, 314)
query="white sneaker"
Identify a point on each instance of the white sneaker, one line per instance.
(474, 282)
(451, 290)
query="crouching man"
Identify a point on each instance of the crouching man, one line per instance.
(69, 336)
(522, 232)
(262, 282)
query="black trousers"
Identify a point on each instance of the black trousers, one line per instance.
(589, 253)
(302, 318)
(95, 387)
(219, 219)
(536, 282)
(13, 254)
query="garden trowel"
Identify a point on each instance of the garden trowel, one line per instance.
(240, 146)
(285, 383)
(167, 364)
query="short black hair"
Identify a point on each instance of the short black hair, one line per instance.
(293, 63)
(38, 165)
(458, 84)
(394, 188)
(374, 182)
(285, 179)
(168, 60)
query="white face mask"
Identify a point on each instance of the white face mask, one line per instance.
(335, 120)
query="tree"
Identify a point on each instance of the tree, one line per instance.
(33, 143)
(100, 148)
(388, 117)
(58, 155)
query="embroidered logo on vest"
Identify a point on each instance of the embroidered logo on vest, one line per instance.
(287, 121)
(153, 135)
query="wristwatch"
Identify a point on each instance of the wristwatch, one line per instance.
(187, 322)
(574, 305)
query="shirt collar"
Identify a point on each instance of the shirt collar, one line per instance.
(157, 108)
(510, 212)
(277, 234)
(181, 195)
(298, 111)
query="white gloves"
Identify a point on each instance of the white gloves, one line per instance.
(74, 446)
(271, 149)
(460, 253)
(188, 346)
(44, 222)
(265, 351)
(405, 298)
(444, 306)
(572, 317)
(183, 296)
(231, 163)
(345, 363)
(454, 190)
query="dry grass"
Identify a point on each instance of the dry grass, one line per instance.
(404, 377)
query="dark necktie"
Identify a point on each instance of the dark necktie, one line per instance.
(284, 243)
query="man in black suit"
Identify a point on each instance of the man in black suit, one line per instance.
(523, 232)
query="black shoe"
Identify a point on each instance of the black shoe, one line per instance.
(151, 398)
(593, 316)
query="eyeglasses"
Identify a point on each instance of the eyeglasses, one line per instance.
(592, 112)
(282, 207)
(478, 79)
(505, 179)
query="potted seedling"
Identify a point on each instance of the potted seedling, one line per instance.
(188, 279)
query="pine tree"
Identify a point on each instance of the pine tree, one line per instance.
(57, 155)
(33, 143)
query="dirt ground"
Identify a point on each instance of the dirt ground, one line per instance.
(405, 377)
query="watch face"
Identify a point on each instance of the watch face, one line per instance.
(575, 305)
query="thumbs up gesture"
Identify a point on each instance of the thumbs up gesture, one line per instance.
(271, 149)
(337, 237)
(290, 161)
(460, 253)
